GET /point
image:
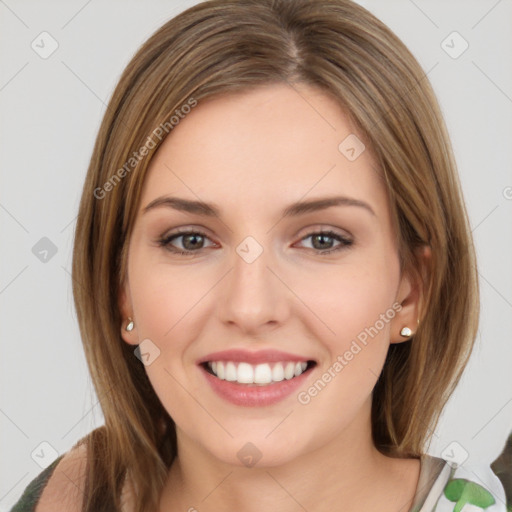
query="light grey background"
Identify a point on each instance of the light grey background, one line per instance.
(50, 113)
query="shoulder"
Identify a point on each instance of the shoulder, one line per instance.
(65, 488)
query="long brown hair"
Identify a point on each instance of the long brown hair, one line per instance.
(224, 46)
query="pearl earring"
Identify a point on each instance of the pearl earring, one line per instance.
(130, 325)
(406, 332)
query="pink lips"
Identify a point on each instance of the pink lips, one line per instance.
(253, 395)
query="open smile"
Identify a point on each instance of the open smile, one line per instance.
(255, 379)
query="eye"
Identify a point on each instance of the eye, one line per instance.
(192, 242)
(322, 241)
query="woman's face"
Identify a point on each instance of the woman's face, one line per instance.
(261, 293)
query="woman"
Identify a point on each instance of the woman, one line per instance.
(273, 273)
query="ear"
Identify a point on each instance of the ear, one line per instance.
(126, 309)
(410, 296)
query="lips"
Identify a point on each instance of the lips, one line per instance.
(255, 378)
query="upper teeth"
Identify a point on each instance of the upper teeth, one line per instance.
(246, 373)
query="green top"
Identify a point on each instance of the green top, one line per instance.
(33, 491)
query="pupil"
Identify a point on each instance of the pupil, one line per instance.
(188, 237)
(323, 238)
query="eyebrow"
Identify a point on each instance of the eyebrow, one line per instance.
(293, 210)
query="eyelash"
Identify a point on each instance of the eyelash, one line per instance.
(165, 241)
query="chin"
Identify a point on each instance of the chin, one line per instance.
(259, 450)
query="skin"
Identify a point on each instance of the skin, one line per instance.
(253, 154)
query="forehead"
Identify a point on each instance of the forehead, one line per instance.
(272, 145)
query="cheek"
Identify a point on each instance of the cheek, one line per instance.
(172, 305)
(352, 299)
(165, 297)
(167, 304)
(358, 309)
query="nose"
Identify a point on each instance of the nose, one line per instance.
(254, 297)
